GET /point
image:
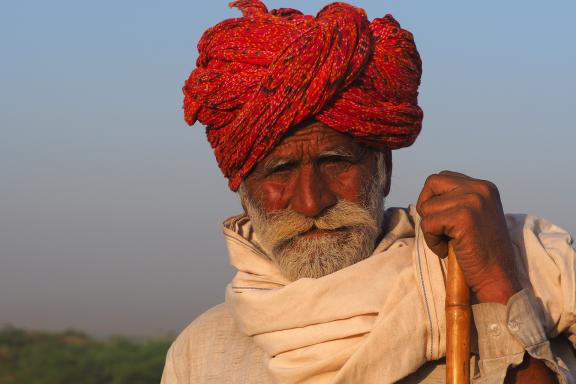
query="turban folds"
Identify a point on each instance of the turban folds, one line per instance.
(259, 75)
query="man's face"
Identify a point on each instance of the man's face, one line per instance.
(316, 201)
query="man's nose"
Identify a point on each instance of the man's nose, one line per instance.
(312, 194)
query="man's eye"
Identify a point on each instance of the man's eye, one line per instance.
(335, 159)
(281, 168)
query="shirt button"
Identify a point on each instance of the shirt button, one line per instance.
(513, 325)
(494, 329)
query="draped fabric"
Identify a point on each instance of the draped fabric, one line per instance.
(375, 321)
(347, 327)
(262, 74)
(379, 320)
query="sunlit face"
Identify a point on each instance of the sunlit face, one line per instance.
(316, 201)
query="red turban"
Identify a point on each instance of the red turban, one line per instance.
(260, 74)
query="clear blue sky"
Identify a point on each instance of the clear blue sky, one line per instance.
(110, 206)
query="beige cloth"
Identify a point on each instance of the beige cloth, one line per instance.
(380, 320)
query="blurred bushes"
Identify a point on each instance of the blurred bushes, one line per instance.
(28, 357)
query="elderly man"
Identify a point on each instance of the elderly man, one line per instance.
(303, 113)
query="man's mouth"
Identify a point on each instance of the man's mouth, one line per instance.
(315, 232)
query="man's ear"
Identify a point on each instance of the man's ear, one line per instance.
(388, 163)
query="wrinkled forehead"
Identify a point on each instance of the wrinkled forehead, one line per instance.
(314, 138)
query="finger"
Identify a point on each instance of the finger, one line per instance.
(442, 203)
(484, 187)
(438, 184)
(453, 173)
(437, 244)
(440, 227)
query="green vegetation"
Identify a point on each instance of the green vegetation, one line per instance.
(28, 357)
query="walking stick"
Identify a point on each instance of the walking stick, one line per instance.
(457, 323)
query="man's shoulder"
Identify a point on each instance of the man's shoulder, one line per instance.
(525, 227)
(218, 314)
(212, 348)
(207, 329)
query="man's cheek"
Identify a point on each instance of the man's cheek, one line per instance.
(348, 185)
(272, 196)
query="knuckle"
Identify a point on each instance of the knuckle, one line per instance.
(428, 225)
(475, 200)
(430, 179)
(488, 188)
(424, 209)
(465, 215)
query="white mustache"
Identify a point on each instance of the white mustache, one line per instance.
(285, 225)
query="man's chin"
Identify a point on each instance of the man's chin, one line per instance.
(313, 238)
(320, 253)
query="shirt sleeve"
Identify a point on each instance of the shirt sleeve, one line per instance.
(506, 333)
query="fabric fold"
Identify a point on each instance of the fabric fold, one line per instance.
(322, 330)
(381, 319)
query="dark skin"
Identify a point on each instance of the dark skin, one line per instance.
(309, 170)
(469, 213)
(315, 166)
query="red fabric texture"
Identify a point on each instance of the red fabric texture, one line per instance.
(261, 74)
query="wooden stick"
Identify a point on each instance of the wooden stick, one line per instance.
(458, 318)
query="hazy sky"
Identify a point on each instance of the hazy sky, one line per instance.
(110, 206)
